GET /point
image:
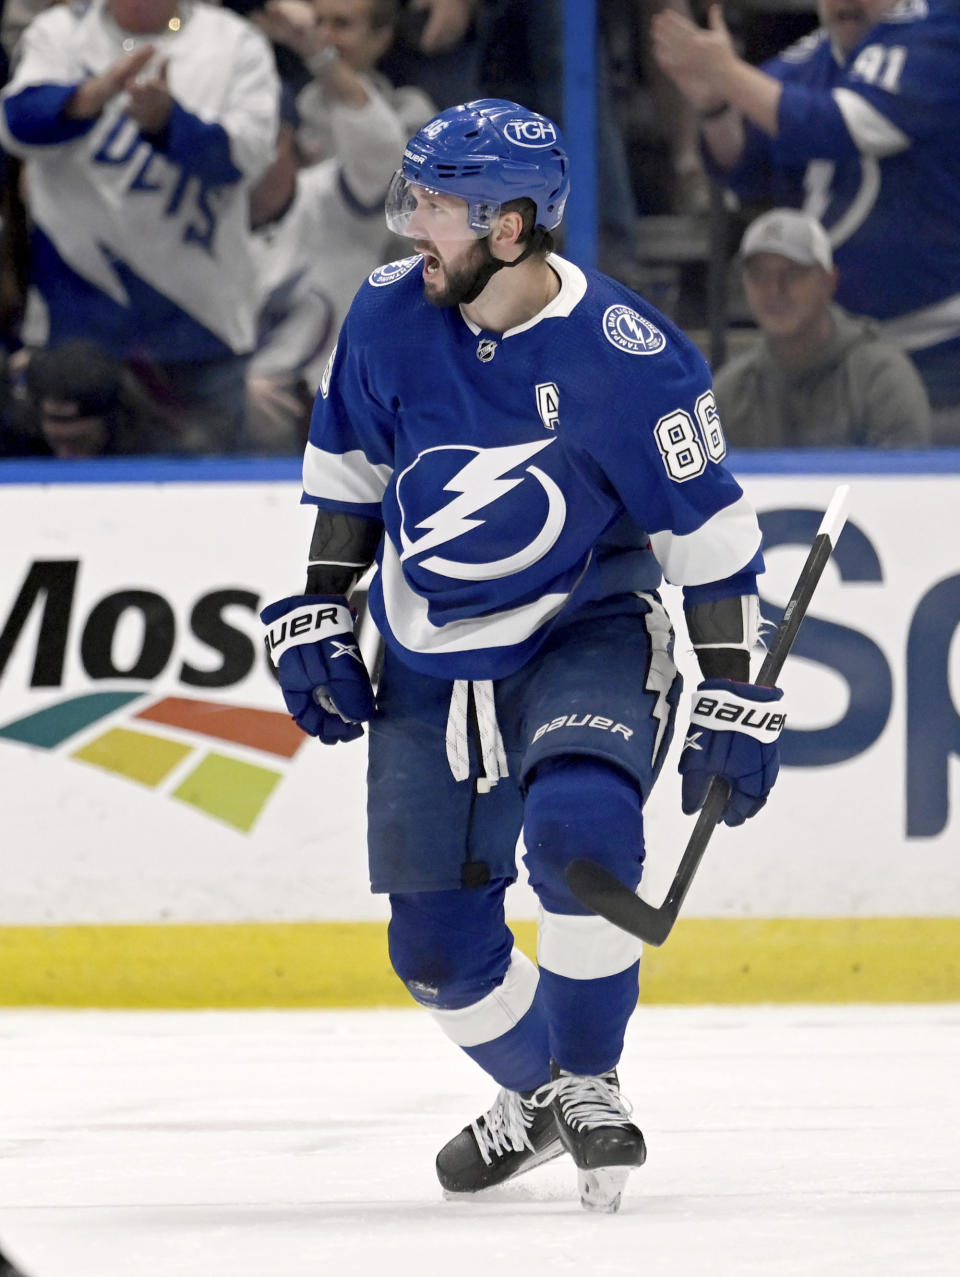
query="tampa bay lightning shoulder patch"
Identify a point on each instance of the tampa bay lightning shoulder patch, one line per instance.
(627, 329)
(392, 271)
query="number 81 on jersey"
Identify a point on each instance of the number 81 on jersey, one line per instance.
(685, 444)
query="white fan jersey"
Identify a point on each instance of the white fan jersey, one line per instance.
(142, 243)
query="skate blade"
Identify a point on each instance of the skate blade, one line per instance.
(602, 1188)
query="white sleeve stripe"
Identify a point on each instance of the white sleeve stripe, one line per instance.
(717, 549)
(498, 1012)
(346, 476)
(873, 133)
(584, 948)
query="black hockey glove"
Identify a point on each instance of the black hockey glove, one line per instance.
(324, 681)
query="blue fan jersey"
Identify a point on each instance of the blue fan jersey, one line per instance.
(522, 476)
(867, 142)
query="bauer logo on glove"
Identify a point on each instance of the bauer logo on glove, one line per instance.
(305, 623)
(319, 666)
(732, 713)
(734, 733)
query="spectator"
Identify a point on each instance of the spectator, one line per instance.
(523, 60)
(290, 68)
(318, 229)
(817, 377)
(858, 124)
(143, 123)
(315, 239)
(441, 45)
(676, 123)
(341, 42)
(514, 49)
(294, 319)
(81, 402)
(14, 251)
(15, 17)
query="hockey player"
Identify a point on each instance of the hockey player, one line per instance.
(857, 123)
(524, 447)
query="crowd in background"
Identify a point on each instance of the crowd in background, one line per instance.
(192, 193)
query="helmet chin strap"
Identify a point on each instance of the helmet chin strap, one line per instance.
(490, 267)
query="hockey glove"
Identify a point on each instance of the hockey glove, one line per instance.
(734, 733)
(324, 681)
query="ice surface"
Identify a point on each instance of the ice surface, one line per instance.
(782, 1140)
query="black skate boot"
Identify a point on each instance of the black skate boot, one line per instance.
(594, 1123)
(513, 1136)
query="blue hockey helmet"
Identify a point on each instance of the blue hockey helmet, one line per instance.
(486, 152)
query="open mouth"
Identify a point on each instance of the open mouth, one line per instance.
(431, 263)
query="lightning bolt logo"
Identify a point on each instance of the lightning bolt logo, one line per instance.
(479, 484)
(661, 672)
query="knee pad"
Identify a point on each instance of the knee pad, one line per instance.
(580, 806)
(450, 948)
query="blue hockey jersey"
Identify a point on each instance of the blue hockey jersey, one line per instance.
(522, 475)
(868, 143)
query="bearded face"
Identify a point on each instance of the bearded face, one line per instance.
(451, 279)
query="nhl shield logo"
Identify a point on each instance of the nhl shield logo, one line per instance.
(486, 350)
(624, 328)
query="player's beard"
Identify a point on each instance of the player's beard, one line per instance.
(460, 280)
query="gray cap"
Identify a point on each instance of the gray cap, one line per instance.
(790, 233)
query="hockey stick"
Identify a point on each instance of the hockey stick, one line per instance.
(595, 886)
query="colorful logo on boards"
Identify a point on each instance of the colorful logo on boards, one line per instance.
(165, 744)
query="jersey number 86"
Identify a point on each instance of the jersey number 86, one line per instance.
(686, 445)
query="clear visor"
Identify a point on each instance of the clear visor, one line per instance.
(418, 212)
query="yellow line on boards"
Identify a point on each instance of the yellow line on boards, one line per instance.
(345, 964)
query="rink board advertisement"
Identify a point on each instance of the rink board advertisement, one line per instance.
(154, 786)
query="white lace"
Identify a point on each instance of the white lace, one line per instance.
(503, 1128)
(585, 1102)
(492, 754)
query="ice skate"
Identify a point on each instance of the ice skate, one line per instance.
(512, 1137)
(594, 1123)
